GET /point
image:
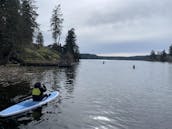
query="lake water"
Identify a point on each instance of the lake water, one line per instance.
(97, 95)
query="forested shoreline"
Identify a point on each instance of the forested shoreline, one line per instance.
(22, 41)
(161, 56)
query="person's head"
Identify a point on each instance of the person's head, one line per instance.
(37, 85)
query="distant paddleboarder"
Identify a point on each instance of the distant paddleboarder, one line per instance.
(134, 66)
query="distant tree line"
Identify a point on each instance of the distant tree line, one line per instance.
(18, 26)
(161, 56)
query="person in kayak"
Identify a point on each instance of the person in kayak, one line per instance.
(38, 92)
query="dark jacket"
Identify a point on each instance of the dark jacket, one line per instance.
(40, 89)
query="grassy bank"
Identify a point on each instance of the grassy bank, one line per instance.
(36, 55)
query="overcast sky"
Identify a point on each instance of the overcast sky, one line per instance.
(112, 27)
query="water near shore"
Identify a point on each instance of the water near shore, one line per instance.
(96, 95)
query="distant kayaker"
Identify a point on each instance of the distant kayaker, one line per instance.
(38, 92)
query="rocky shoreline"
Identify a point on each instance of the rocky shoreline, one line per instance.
(12, 76)
(48, 63)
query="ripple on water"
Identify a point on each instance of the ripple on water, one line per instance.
(107, 120)
(101, 118)
(101, 127)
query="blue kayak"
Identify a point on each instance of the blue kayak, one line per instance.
(27, 105)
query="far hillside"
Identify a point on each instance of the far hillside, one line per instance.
(93, 56)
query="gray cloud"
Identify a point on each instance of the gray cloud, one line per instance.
(131, 12)
(118, 22)
(144, 46)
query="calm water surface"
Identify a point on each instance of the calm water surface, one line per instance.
(94, 95)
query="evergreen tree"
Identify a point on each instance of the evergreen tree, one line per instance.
(153, 55)
(56, 24)
(163, 56)
(17, 25)
(28, 20)
(2, 28)
(71, 46)
(170, 50)
(57, 48)
(9, 21)
(40, 39)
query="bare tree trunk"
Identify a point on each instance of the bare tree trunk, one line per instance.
(59, 40)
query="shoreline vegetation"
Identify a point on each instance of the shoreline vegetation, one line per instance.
(94, 56)
(22, 41)
(162, 56)
(154, 56)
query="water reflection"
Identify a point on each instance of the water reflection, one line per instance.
(59, 79)
(22, 119)
(70, 78)
(13, 94)
(9, 124)
(37, 113)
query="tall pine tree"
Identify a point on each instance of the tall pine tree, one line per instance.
(40, 39)
(17, 26)
(29, 24)
(56, 24)
(71, 46)
(9, 21)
